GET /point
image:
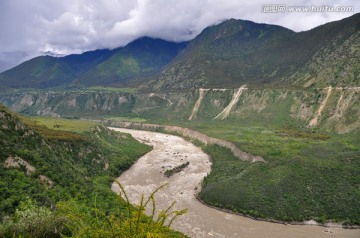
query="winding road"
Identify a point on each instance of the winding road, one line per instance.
(200, 221)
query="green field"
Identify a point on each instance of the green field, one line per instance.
(63, 124)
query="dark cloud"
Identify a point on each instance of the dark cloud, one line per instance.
(73, 26)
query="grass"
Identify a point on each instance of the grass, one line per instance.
(81, 166)
(113, 89)
(294, 132)
(62, 124)
(282, 144)
(170, 172)
(57, 129)
(130, 119)
(290, 190)
(307, 175)
(310, 173)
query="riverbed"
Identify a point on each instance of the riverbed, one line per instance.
(170, 151)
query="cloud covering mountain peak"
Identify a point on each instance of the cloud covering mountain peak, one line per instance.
(74, 26)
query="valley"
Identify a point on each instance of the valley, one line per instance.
(269, 120)
(56, 174)
(301, 158)
(200, 220)
(326, 109)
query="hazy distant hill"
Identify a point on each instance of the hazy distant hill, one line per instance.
(141, 57)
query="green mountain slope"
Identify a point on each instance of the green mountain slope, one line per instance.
(225, 55)
(333, 55)
(142, 57)
(52, 165)
(238, 52)
(40, 72)
(230, 54)
(56, 183)
(48, 71)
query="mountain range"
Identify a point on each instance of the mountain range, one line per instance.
(100, 67)
(291, 98)
(230, 54)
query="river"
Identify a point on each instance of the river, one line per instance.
(200, 221)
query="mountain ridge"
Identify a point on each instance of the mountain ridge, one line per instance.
(229, 54)
(281, 59)
(86, 68)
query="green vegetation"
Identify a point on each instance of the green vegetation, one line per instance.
(314, 168)
(230, 54)
(139, 59)
(237, 52)
(307, 174)
(121, 67)
(74, 219)
(60, 124)
(30, 220)
(71, 168)
(293, 132)
(170, 172)
(112, 89)
(131, 119)
(310, 173)
(270, 123)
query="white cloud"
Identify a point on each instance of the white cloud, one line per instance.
(69, 26)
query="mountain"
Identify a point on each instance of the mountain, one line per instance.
(238, 52)
(330, 55)
(40, 72)
(140, 58)
(48, 71)
(51, 165)
(227, 55)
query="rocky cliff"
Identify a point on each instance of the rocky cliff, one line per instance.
(327, 108)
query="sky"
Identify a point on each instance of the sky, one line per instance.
(29, 27)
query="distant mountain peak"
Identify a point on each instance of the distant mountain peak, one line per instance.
(52, 54)
(229, 54)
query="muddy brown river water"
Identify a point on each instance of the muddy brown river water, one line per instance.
(200, 221)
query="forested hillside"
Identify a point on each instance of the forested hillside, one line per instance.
(41, 167)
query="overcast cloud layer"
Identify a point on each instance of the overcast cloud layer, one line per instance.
(74, 26)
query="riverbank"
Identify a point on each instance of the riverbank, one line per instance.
(296, 223)
(187, 133)
(201, 220)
